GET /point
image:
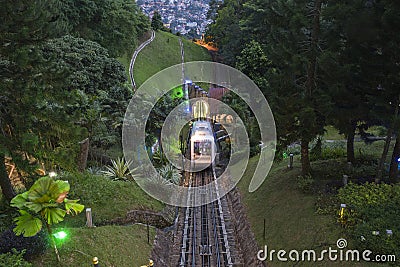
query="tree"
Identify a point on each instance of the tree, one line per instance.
(45, 202)
(292, 41)
(311, 84)
(253, 62)
(24, 25)
(390, 48)
(46, 77)
(156, 21)
(393, 165)
(351, 65)
(226, 31)
(49, 108)
(114, 24)
(292, 34)
(93, 83)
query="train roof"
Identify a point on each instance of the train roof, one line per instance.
(202, 125)
(202, 130)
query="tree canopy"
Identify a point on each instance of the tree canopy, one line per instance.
(156, 21)
(60, 82)
(317, 62)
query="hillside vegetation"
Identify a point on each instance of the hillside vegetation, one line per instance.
(302, 213)
(164, 52)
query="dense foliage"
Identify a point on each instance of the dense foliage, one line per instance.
(323, 63)
(114, 24)
(32, 246)
(156, 21)
(59, 81)
(14, 259)
(318, 63)
(373, 207)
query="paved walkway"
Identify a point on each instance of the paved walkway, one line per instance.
(143, 45)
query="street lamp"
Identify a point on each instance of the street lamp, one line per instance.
(341, 213)
(61, 235)
(389, 232)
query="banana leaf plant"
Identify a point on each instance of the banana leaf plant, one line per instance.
(44, 203)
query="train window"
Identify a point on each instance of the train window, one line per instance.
(202, 148)
(197, 148)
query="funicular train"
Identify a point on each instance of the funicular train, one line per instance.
(202, 144)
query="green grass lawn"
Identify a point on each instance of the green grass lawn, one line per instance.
(290, 215)
(108, 199)
(164, 52)
(331, 133)
(114, 246)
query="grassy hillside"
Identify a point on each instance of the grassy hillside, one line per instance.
(113, 245)
(291, 218)
(164, 52)
(108, 199)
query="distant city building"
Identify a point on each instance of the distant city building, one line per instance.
(188, 17)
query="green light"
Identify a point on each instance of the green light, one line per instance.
(177, 92)
(60, 235)
(285, 155)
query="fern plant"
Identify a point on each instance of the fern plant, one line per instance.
(119, 170)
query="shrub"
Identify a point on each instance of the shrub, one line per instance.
(94, 170)
(119, 170)
(32, 246)
(365, 159)
(170, 173)
(364, 172)
(13, 259)
(254, 150)
(305, 183)
(328, 150)
(159, 159)
(326, 204)
(373, 207)
(316, 150)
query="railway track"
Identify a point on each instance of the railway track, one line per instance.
(205, 238)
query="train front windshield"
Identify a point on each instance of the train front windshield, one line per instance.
(202, 148)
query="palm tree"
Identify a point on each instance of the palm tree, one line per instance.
(45, 202)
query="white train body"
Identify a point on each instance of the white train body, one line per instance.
(202, 145)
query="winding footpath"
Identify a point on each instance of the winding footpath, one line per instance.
(135, 54)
